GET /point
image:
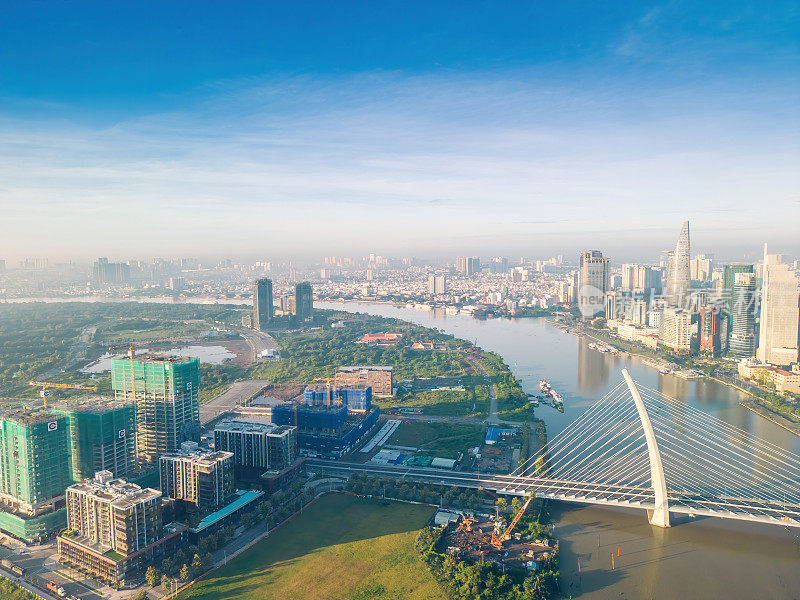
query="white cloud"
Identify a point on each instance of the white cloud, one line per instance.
(407, 162)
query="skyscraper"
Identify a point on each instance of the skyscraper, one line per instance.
(592, 282)
(743, 332)
(709, 329)
(437, 284)
(262, 304)
(778, 328)
(678, 273)
(165, 391)
(468, 265)
(303, 302)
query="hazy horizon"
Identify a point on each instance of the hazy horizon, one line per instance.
(267, 130)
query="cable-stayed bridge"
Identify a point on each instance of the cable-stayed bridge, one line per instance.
(638, 448)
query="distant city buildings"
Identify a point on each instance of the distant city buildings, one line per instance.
(262, 304)
(701, 267)
(106, 273)
(468, 265)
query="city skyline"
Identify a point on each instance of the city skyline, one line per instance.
(495, 132)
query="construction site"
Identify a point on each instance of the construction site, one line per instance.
(486, 539)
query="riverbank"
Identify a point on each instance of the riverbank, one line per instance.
(755, 404)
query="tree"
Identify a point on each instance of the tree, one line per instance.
(152, 576)
(185, 573)
(208, 561)
(166, 581)
(501, 504)
(197, 564)
(247, 520)
(138, 595)
(167, 566)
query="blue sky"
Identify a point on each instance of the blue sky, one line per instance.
(426, 128)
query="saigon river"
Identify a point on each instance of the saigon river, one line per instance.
(699, 558)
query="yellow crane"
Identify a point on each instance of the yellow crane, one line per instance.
(46, 385)
(497, 542)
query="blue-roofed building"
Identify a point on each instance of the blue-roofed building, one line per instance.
(495, 434)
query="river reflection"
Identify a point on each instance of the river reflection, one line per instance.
(701, 558)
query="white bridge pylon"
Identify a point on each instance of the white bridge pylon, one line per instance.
(660, 514)
(637, 447)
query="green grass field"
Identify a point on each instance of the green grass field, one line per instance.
(342, 548)
(447, 440)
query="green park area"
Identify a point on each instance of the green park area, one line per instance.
(340, 547)
(447, 440)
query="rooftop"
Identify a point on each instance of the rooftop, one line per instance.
(93, 405)
(160, 359)
(199, 456)
(26, 418)
(367, 368)
(118, 492)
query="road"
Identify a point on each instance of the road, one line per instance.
(258, 341)
(237, 395)
(41, 561)
(492, 419)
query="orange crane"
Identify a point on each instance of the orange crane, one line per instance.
(497, 542)
(46, 385)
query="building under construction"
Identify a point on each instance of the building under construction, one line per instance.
(101, 437)
(165, 392)
(34, 473)
(483, 539)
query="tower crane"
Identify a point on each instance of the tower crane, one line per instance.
(46, 385)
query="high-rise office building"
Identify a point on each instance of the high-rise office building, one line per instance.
(592, 282)
(437, 284)
(468, 265)
(613, 301)
(203, 478)
(262, 304)
(165, 391)
(728, 278)
(780, 313)
(101, 437)
(499, 264)
(678, 272)
(629, 272)
(743, 332)
(701, 266)
(303, 302)
(710, 329)
(257, 447)
(675, 329)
